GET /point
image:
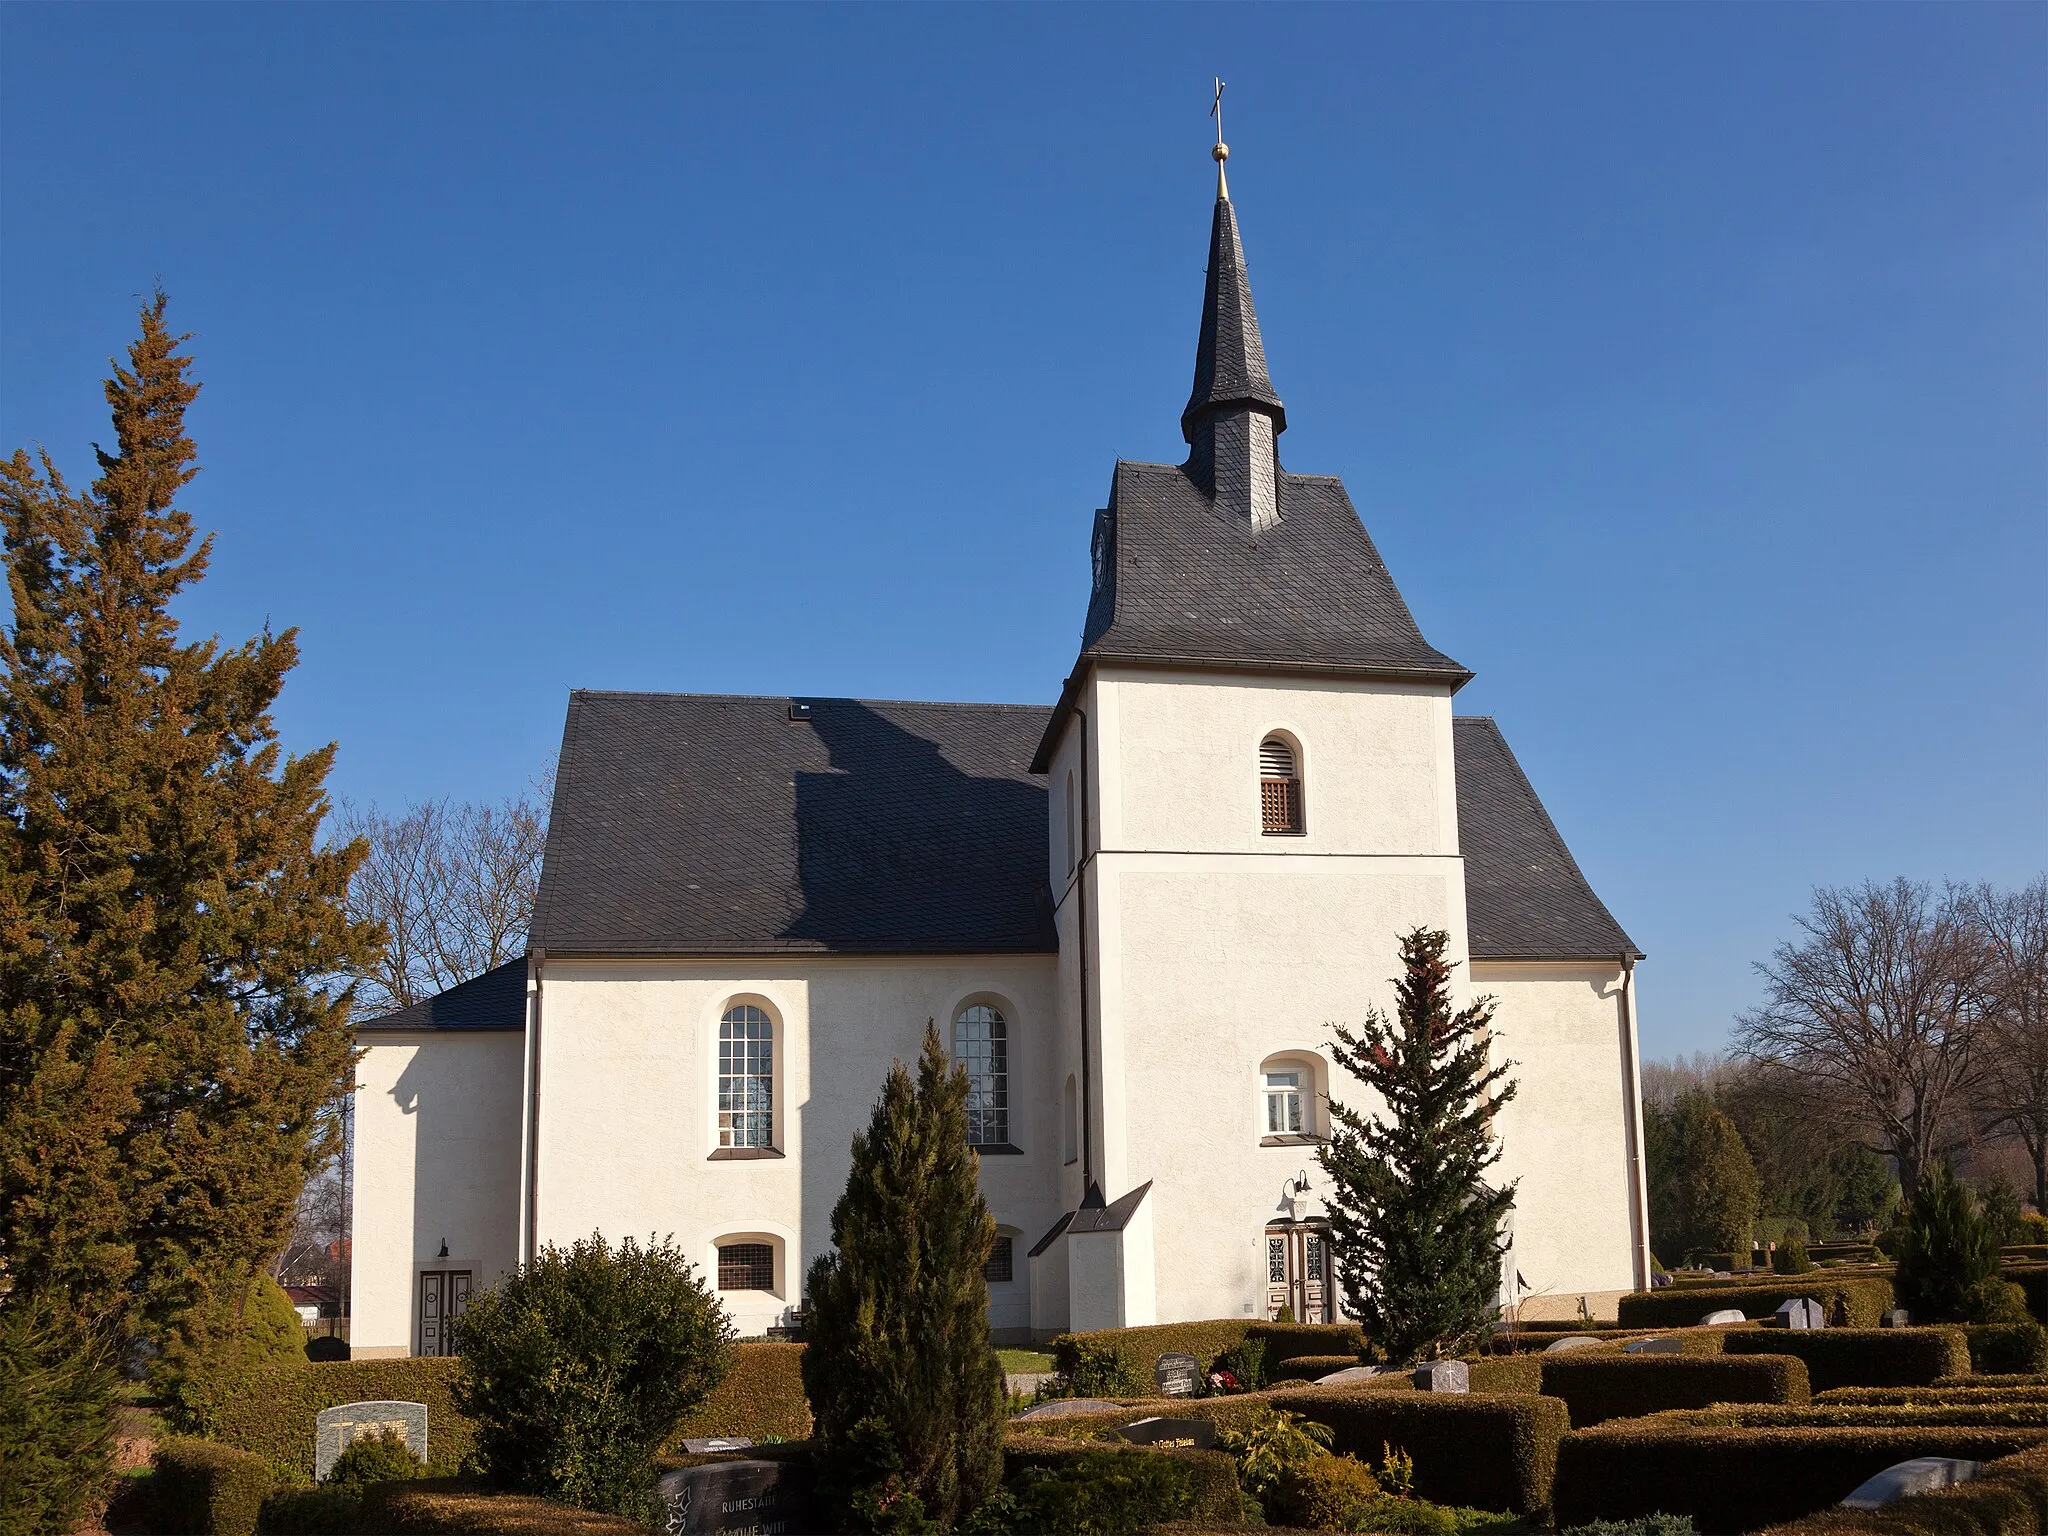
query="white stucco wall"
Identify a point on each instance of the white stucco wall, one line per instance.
(1566, 1135)
(628, 1068)
(436, 1161)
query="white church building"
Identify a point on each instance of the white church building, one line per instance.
(1134, 916)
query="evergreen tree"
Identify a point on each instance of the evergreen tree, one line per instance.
(167, 919)
(1948, 1253)
(1415, 1225)
(904, 1386)
(1702, 1185)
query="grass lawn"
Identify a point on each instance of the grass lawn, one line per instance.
(1019, 1362)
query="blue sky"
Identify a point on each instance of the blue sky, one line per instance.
(1689, 365)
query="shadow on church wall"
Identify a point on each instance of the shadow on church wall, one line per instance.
(897, 848)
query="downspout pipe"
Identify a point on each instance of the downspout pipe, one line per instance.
(530, 1217)
(1638, 1194)
(1081, 929)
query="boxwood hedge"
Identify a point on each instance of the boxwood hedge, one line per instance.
(1599, 1387)
(1486, 1452)
(1872, 1396)
(1286, 1341)
(1875, 1415)
(1217, 1497)
(1854, 1301)
(1863, 1357)
(2008, 1348)
(2033, 1279)
(2009, 1498)
(207, 1489)
(1309, 1367)
(275, 1408)
(762, 1397)
(1741, 1479)
(465, 1507)
(1131, 1353)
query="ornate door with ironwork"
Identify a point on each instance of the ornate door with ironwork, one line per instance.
(444, 1297)
(1298, 1271)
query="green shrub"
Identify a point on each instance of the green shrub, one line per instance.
(57, 1381)
(1862, 1357)
(1994, 1301)
(1852, 1301)
(1271, 1446)
(1790, 1256)
(1245, 1361)
(1119, 1362)
(216, 1346)
(762, 1397)
(1327, 1493)
(2009, 1498)
(203, 1489)
(1407, 1517)
(321, 1511)
(274, 1412)
(1596, 1388)
(1646, 1525)
(2008, 1348)
(1485, 1451)
(1214, 1495)
(1286, 1341)
(1741, 1479)
(1309, 1367)
(380, 1458)
(1947, 1251)
(466, 1507)
(579, 1367)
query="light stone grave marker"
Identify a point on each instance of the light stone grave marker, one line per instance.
(1802, 1313)
(1569, 1343)
(336, 1427)
(1349, 1374)
(1725, 1315)
(1443, 1376)
(1923, 1474)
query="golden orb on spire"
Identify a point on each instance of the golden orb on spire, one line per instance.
(1220, 153)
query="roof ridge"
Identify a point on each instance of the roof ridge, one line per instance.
(790, 698)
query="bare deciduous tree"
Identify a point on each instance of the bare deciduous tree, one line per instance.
(1877, 1016)
(454, 887)
(2015, 1080)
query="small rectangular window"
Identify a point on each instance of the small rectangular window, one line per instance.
(1001, 1265)
(746, 1267)
(1283, 1103)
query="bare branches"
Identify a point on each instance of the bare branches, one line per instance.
(2014, 925)
(453, 885)
(1879, 1014)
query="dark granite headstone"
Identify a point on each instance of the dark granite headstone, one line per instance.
(334, 1428)
(739, 1498)
(1802, 1312)
(1177, 1375)
(1171, 1434)
(1443, 1376)
(1665, 1345)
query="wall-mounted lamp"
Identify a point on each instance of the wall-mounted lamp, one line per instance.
(444, 1249)
(1301, 1182)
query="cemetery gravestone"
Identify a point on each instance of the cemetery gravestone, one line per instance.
(727, 1498)
(1802, 1313)
(1725, 1315)
(1171, 1434)
(1923, 1474)
(1898, 1317)
(335, 1427)
(1349, 1374)
(1663, 1346)
(708, 1447)
(1063, 1407)
(1177, 1375)
(1443, 1376)
(1569, 1343)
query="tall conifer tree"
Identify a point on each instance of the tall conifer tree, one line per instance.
(905, 1388)
(168, 922)
(1416, 1227)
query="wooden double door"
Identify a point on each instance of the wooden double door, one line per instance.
(1298, 1271)
(444, 1297)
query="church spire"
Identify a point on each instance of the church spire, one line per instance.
(1233, 412)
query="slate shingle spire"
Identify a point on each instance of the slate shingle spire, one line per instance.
(1233, 413)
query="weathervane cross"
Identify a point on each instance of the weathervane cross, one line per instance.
(1216, 109)
(1221, 152)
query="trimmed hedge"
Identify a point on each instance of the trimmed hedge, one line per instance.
(1878, 1396)
(1218, 1497)
(463, 1506)
(1863, 1357)
(2009, 1498)
(1309, 1367)
(2008, 1348)
(276, 1409)
(206, 1489)
(1486, 1452)
(2033, 1279)
(1741, 1479)
(1854, 1301)
(1597, 1387)
(762, 1397)
(1137, 1350)
(1288, 1341)
(1873, 1415)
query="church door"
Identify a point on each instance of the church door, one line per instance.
(444, 1297)
(1298, 1271)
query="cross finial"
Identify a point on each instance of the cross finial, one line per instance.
(1221, 152)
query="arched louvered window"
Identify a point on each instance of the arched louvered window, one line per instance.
(981, 1044)
(1279, 788)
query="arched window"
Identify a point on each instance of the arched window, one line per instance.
(1279, 788)
(746, 1266)
(1292, 1086)
(746, 1078)
(981, 1044)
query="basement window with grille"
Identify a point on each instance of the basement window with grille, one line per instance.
(1002, 1262)
(1279, 789)
(746, 1267)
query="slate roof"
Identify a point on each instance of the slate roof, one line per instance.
(1182, 582)
(494, 1000)
(1230, 357)
(713, 824)
(706, 824)
(1525, 898)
